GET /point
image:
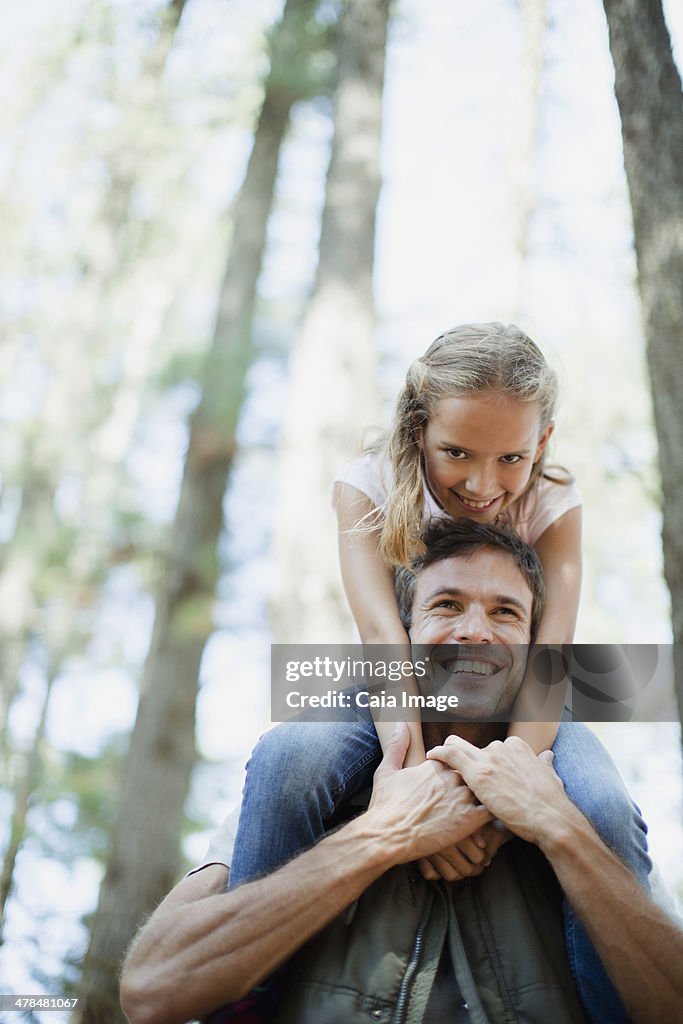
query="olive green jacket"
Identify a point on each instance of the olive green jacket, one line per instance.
(377, 961)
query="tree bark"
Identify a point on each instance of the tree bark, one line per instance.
(522, 158)
(143, 857)
(332, 366)
(648, 91)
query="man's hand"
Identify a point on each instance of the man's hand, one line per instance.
(204, 947)
(424, 809)
(507, 777)
(640, 946)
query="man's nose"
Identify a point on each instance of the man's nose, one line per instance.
(472, 627)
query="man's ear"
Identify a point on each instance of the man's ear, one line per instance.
(543, 441)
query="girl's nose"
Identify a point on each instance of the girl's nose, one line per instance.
(480, 482)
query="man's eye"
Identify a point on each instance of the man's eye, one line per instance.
(509, 612)
(445, 603)
(510, 460)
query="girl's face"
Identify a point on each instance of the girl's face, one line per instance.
(479, 452)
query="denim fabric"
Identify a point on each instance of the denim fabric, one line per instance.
(593, 783)
(297, 777)
(301, 772)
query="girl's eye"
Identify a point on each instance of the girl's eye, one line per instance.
(510, 460)
(456, 453)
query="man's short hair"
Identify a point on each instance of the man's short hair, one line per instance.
(461, 537)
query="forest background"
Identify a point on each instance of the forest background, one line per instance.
(185, 359)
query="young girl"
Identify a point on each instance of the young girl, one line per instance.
(469, 439)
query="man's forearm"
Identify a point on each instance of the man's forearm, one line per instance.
(204, 947)
(641, 948)
(202, 950)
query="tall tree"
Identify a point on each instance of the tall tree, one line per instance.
(74, 401)
(522, 156)
(143, 858)
(33, 608)
(29, 770)
(648, 91)
(332, 367)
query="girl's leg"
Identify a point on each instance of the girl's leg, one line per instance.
(593, 783)
(297, 776)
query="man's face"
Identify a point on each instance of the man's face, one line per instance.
(482, 601)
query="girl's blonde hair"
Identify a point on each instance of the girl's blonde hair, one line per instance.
(466, 360)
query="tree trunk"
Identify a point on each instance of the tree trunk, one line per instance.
(71, 401)
(522, 158)
(332, 367)
(143, 857)
(28, 777)
(37, 528)
(18, 581)
(29, 771)
(648, 91)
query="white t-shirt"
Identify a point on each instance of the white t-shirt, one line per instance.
(531, 516)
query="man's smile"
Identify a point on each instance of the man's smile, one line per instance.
(466, 660)
(483, 668)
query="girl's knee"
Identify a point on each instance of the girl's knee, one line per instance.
(313, 764)
(612, 812)
(288, 749)
(621, 826)
(595, 786)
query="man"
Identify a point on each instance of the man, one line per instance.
(405, 948)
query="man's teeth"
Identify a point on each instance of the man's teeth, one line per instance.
(483, 668)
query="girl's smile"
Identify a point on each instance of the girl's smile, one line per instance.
(479, 452)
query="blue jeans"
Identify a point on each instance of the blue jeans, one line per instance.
(297, 777)
(301, 772)
(593, 783)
